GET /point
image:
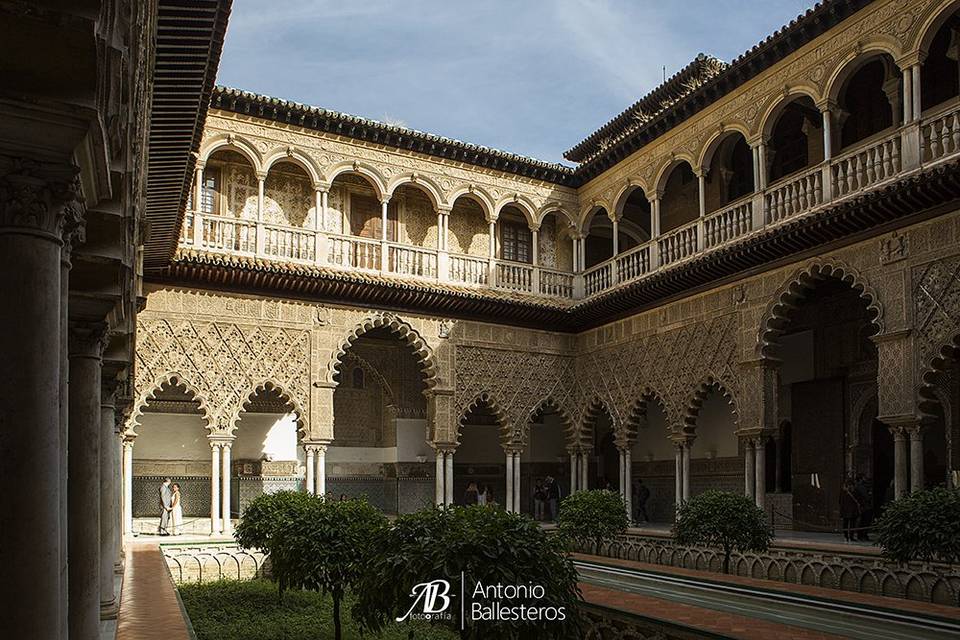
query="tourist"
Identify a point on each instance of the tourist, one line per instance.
(553, 497)
(482, 495)
(176, 511)
(849, 510)
(165, 496)
(472, 494)
(643, 494)
(539, 501)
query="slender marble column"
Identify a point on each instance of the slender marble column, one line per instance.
(678, 475)
(900, 462)
(916, 458)
(827, 133)
(907, 95)
(760, 468)
(214, 488)
(749, 473)
(509, 497)
(321, 478)
(225, 477)
(86, 352)
(686, 471)
(628, 481)
(109, 475)
(584, 470)
(517, 505)
(917, 109)
(311, 468)
(440, 494)
(384, 217)
(573, 472)
(128, 487)
(448, 480)
(616, 235)
(621, 468)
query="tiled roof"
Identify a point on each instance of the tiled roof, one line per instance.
(335, 122)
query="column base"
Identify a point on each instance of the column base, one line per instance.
(118, 568)
(109, 610)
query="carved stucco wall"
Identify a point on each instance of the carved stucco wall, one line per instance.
(223, 346)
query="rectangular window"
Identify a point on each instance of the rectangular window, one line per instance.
(210, 190)
(515, 242)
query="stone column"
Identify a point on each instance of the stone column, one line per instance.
(749, 472)
(33, 537)
(701, 190)
(128, 486)
(760, 468)
(198, 206)
(917, 109)
(907, 94)
(87, 341)
(448, 479)
(225, 477)
(825, 113)
(916, 458)
(311, 468)
(762, 163)
(678, 474)
(900, 457)
(441, 472)
(261, 234)
(321, 478)
(508, 498)
(628, 481)
(685, 450)
(109, 476)
(584, 471)
(573, 472)
(616, 235)
(214, 487)
(517, 507)
(621, 469)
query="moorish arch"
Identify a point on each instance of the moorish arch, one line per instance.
(232, 142)
(295, 156)
(600, 437)
(550, 405)
(702, 392)
(486, 449)
(149, 390)
(398, 328)
(270, 387)
(423, 183)
(798, 286)
(652, 458)
(367, 171)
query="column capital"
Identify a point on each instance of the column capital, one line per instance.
(219, 440)
(38, 197)
(827, 105)
(261, 176)
(444, 209)
(322, 187)
(315, 447)
(385, 198)
(87, 339)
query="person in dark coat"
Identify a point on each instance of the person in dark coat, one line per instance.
(864, 493)
(472, 495)
(553, 498)
(849, 510)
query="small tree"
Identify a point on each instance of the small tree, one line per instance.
(593, 517)
(487, 546)
(725, 521)
(262, 521)
(922, 526)
(328, 545)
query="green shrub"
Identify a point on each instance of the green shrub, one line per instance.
(593, 517)
(922, 526)
(489, 546)
(263, 519)
(725, 521)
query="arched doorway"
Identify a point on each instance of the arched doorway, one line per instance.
(545, 458)
(480, 460)
(653, 460)
(828, 364)
(603, 460)
(380, 449)
(716, 461)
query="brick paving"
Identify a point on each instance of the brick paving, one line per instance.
(719, 622)
(884, 602)
(148, 604)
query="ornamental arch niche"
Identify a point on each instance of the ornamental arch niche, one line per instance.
(680, 199)
(598, 236)
(728, 170)
(818, 334)
(555, 240)
(648, 431)
(483, 439)
(172, 430)
(940, 403)
(635, 224)
(600, 436)
(415, 205)
(288, 199)
(469, 234)
(868, 93)
(793, 130)
(230, 189)
(711, 425)
(235, 143)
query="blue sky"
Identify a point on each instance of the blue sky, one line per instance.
(532, 77)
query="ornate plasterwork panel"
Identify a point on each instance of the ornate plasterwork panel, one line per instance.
(936, 298)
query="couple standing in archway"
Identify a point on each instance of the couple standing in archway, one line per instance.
(171, 509)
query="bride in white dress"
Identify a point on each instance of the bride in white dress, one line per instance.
(176, 511)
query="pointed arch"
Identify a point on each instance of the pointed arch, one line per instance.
(638, 412)
(708, 385)
(294, 156)
(269, 385)
(367, 171)
(402, 330)
(552, 405)
(486, 400)
(423, 183)
(233, 142)
(175, 379)
(933, 368)
(594, 410)
(797, 287)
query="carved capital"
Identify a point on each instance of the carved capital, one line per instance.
(40, 198)
(87, 339)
